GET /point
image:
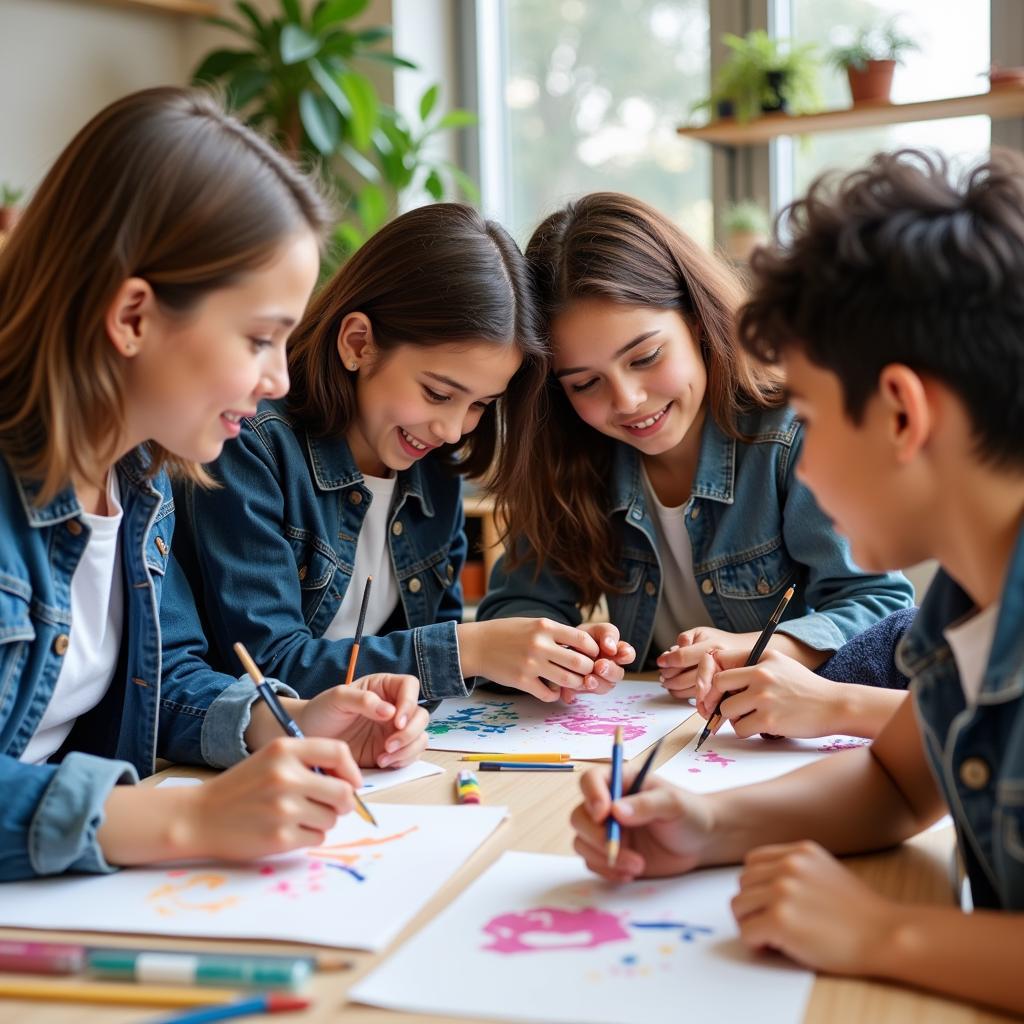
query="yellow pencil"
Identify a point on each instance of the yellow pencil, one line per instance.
(115, 992)
(527, 758)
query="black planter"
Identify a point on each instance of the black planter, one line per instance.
(776, 81)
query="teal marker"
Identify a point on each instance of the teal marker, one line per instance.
(199, 969)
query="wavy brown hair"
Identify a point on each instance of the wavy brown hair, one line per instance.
(434, 275)
(612, 246)
(162, 185)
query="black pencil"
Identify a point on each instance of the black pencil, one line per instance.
(354, 653)
(755, 655)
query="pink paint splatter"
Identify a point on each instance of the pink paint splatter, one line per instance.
(696, 771)
(580, 929)
(713, 757)
(266, 870)
(842, 743)
(584, 723)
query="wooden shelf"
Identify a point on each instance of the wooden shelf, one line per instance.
(1004, 101)
(200, 8)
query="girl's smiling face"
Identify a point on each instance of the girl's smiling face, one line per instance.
(635, 373)
(415, 398)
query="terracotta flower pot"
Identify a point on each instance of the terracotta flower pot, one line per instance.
(873, 84)
(474, 582)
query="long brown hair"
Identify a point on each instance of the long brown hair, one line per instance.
(162, 185)
(437, 274)
(612, 246)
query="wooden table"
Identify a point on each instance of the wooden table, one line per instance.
(539, 807)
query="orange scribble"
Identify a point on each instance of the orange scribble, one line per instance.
(174, 896)
(336, 850)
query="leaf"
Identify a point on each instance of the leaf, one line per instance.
(220, 63)
(434, 185)
(321, 121)
(297, 45)
(292, 10)
(372, 207)
(428, 100)
(246, 86)
(455, 119)
(364, 108)
(330, 87)
(230, 26)
(361, 164)
(374, 34)
(258, 24)
(464, 181)
(332, 11)
(390, 58)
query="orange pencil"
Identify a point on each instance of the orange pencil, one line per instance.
(526, 758)
(354, 655)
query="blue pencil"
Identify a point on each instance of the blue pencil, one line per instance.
(612, 827)
(524, 766)
(243, 1008)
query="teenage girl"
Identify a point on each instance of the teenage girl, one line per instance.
(417, 364)
(662, 470)
(145, 299)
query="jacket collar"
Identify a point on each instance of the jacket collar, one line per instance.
(330, 459)
(714, 478)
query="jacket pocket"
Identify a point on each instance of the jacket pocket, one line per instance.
(315, 566)
(16, 634)
(751, 584)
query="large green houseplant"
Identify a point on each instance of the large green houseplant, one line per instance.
(299, 74)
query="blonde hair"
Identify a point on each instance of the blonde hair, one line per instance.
(162, 185)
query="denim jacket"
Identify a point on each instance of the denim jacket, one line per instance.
(271, 553)
(977, 754)
(50, 814)
(753, 529)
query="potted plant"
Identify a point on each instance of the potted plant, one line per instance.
(763, 74)
(298, 76)
(9, 209)
(746, 226)
(870, 60)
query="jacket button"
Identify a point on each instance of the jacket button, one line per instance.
(974, 773)
(762, 586)
(695, 511)
(303, 571)
(74, 527)
(650, 589)
(396, 529)
(161, 546)
(450, 573)
(637, 514)
(708, 587)
(414, 585)
(355, 497)
(61, 644)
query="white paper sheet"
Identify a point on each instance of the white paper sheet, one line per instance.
(539, 938)
(726, 761)
(374, 779)
(521, 724)
(357, 890)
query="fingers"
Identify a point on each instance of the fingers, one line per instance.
(538, 688)
(572, 637)
(625, 654)
(356, 699)
(332, 756)
(405, 692)
(606, 636)
(405, 745)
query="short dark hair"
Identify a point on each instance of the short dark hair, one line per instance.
(901, 263)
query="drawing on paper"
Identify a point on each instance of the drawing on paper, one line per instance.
(491, 718)
(712, 757)
(191, 891)
(583, 723)
(843, 743)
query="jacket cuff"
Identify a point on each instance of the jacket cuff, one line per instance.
(222, 742)
(817, 631)
(62, 833)
(437, 661)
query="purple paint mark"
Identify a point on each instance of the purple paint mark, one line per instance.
(844, 743)
(696, 771)
(580, 929)
(348, 871)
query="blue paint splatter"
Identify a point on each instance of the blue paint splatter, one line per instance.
(493, 718)
(687, 932)
(348, 871)
(629, 960)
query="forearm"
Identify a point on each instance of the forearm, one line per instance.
(144, 825)
(846, 802)
(264, 727)
(809, 656)
(865, 710)
(968, 956)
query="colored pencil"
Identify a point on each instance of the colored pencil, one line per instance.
(612, 830)
(546, 758)
(644, 769)
(523, 766)
(754, 657)
(242, 1008)
(467, 787)
(161, 967)
(114, 992)
(354, 653)
(286, 720)
(41, 958)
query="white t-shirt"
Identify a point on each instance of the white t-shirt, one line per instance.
(94, 639)
(970, 640)
(373, 558)
(681, 606)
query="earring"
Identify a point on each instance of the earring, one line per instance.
(353, 366)
(129, 349)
